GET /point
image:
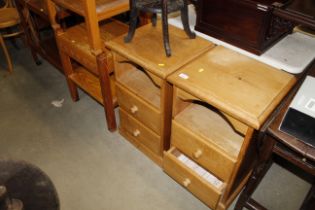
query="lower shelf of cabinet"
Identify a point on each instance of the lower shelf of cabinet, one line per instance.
(91, 84)
(141, 137)
(193, 182)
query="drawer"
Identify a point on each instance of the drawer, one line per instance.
(138, 108)
(188, 178)
(139, 132)
(202, 151)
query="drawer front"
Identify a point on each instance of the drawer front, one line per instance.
(191, 181)
(201, 152)
(141, 133)
(139, 109)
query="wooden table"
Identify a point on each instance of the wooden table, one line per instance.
(286, 146)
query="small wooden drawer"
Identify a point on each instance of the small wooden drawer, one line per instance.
(139, 109)
(202, 152)
(139, 132)
(193, 182)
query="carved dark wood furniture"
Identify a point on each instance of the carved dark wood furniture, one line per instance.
(250, 25)
(159, 6)
(287, 147)
(299, 11)
(254, 25)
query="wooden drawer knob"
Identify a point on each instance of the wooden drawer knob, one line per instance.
(186, 182)
(197, 154)
(134, 109)
(136, 133)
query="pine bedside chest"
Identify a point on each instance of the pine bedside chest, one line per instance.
(220, 101)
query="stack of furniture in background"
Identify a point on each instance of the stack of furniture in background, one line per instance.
(35, 19)
(84, 44)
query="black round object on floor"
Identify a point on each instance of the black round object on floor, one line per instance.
(29, 184)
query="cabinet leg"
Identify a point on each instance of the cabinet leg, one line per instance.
(265, 149)
(106, 91)
(68, 70)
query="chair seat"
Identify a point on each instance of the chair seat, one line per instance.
(155, 6)
(9, 17)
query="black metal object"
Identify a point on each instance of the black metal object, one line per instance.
(24, 186)
(159, 6)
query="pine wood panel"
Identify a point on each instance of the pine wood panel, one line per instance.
(239, 86)
(209, 194)
(146, 49)
(138, 108)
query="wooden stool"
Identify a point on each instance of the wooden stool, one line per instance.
(287, 147)
(159, 6)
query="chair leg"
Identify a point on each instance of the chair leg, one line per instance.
(35, 57)
(106, 91)
(185, 21)
(165, 29)
(153, 19)
(133, 25)
(6, 54)
(13, 39)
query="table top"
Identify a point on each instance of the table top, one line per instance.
(290, 141)
(146, 49)
(241, 87)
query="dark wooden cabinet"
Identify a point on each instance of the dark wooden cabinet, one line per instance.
(248, 24)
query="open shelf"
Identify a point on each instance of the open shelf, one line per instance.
(141, 85)
(104, 8)
(212, 126)
(91, 84)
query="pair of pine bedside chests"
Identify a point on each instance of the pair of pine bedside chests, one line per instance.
(197, 113)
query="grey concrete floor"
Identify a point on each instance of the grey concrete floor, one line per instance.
(91, 167)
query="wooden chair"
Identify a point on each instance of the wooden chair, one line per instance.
(159, 6)
(9, 18)
(84, 44)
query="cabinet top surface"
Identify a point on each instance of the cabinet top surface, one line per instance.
(239, 86)
(146, 49)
